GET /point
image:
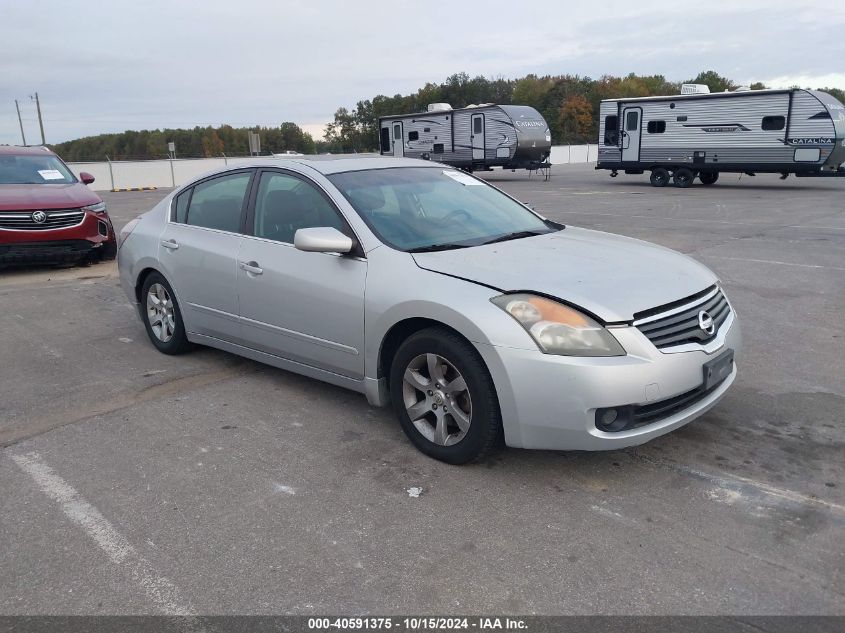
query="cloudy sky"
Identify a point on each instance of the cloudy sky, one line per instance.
(115, 65)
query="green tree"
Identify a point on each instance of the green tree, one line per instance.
(714, 81)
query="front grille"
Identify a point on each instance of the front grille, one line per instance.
(59, 219)
(680, 324)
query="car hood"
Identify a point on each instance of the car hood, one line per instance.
(25, 197)
(611, 276)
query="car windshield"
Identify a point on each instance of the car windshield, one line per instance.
(435, 208)
(34, 170)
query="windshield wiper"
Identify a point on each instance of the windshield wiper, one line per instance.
(515, 236)
(436, 247)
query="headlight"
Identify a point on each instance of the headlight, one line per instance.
(99, 207)
(559, 329)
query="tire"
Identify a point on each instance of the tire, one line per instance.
(457, 426)
(708, 177)
(659, 177)
(162, 316)
(683, 177)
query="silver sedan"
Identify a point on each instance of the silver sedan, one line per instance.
(427, 289)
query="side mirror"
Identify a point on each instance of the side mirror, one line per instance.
(86, 178)
(322, 239)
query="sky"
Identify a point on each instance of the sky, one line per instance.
(115, 65)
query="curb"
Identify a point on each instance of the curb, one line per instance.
(136, 189)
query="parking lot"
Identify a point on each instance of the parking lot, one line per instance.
(135, 482)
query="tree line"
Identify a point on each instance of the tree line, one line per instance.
(569, 103)
(199, 142)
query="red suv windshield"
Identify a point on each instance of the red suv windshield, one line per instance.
(34, 170)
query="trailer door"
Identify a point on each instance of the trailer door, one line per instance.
(631, 134)
(398, 141)
(477, 137)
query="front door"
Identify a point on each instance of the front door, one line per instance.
(631, 134)
(398, 142)
(305, 307)
(198, 253)
(477, 137)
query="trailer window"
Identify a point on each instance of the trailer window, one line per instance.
(632, 119)
(397, 132)
(611, 130)
(437, 148)
(656, 127)
(385, 139)
(476, 125)
(413, 136)
(773, 122)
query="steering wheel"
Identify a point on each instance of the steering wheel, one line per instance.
(456, 213)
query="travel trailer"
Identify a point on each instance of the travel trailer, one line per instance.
(697, 134)
(477, 137)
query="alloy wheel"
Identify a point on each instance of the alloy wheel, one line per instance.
(161, 313)
(437, 399)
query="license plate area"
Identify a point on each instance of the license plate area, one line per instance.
(716, 370)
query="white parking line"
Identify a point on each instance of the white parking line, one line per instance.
(159, 589)
(770, 261)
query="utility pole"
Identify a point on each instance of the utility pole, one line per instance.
(20, 121)
(40, 122)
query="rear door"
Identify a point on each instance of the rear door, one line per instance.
(198, 252)
(477, 137)
(632, 119)
(305, 307)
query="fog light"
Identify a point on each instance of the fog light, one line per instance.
(608, 416)
(613, 419)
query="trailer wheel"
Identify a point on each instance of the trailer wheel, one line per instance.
(659, 177)
(708, 177)
(683, 177)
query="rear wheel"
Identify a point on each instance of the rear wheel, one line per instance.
(708, 177)
(683, 177)
(162, 316)
(659, 177)
(444, 397)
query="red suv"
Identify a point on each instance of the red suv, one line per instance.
(47, 215)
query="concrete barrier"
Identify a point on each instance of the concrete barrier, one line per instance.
(169, 173)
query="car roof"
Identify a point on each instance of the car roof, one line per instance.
(21, 150)
(328, 164)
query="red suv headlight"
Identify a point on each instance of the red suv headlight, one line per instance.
(99, 207)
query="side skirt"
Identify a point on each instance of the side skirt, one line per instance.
(282, 363)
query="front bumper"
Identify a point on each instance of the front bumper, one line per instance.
(550, 402)
(94, 237)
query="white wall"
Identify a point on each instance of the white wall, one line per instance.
(166, 173)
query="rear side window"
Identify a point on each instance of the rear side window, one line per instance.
(611, 130)
(385, 139)
(773, 122)
(656, 127)
(217, 203)
(181, 206)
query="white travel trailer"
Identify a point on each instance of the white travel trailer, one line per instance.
(679, 137)
(472, 138)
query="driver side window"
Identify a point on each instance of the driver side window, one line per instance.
(285, 204)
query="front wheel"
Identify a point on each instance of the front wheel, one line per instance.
(444, 397)
(708, 177)
(162, 316)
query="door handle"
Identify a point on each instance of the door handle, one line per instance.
(170, 244)
(251, 267)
